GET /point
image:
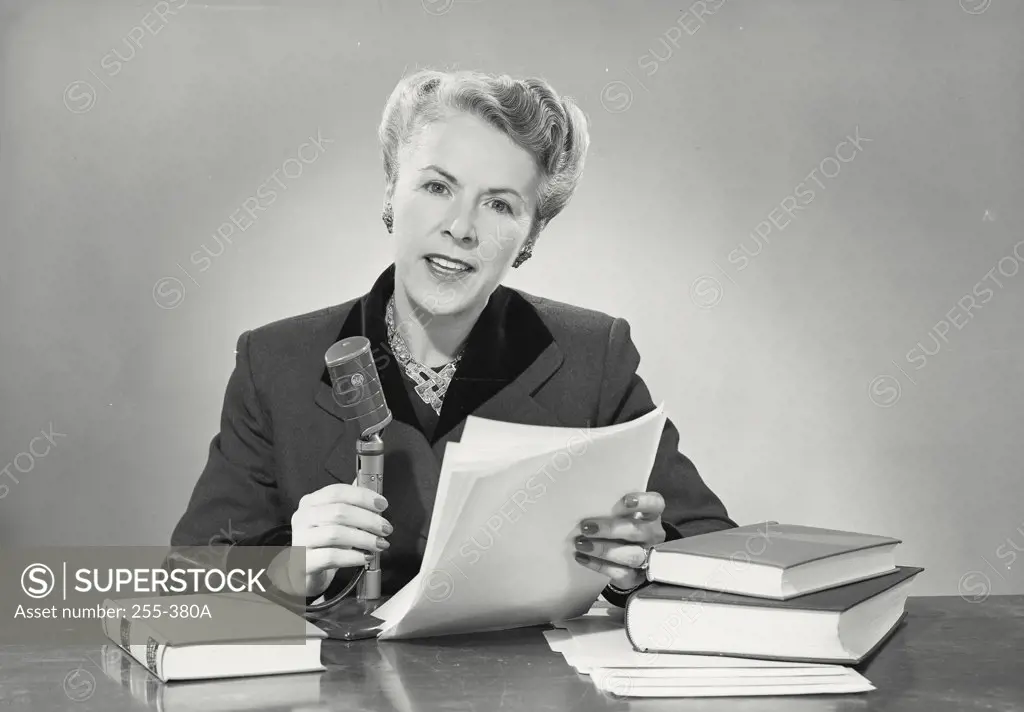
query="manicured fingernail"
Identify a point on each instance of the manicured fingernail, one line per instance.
(584, 545)
(380, 503)
(387, 529)
(630, 501)
(581, 558)
(369, 558)
(588, 528)
(382, 543)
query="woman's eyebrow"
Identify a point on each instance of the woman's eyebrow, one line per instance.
(455, 181)
(437, 169)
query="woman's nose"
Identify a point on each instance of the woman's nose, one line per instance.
(460, 226)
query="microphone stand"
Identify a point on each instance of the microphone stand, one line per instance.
(370, 474)
(353, 619)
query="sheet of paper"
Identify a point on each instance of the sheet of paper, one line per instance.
(558, 639)
(485, 432)
(752, 685)
(662, 676)
(433, 584)
(499, 552)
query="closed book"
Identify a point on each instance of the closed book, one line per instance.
(291, 691)
(841, 625)
(772, 560)
(204, 636)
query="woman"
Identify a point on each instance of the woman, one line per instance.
(476, 166)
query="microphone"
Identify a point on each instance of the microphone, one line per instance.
(356, 388)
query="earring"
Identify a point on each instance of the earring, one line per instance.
(523, 255)
(388, 216)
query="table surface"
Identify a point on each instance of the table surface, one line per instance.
(950, 654)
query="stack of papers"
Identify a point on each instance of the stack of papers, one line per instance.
(596, 645)
(510, 499)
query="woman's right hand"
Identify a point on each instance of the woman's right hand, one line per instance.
(340, 526)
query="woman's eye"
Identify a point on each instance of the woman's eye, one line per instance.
(436, 188)
(502, 207)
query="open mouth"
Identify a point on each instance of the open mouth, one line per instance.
(447, 266)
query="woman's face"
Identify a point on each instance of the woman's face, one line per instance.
(463, 206)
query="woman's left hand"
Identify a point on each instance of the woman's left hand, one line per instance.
(617, 545)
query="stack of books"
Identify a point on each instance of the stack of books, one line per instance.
(766, 609)
(783, 592)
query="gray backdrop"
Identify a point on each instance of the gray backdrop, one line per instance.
(808, 211)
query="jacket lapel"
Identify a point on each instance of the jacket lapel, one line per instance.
(514, 403)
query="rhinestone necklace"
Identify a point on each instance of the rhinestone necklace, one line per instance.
(430, 384)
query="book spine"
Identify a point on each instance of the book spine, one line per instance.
(626, 619)
(150, 653)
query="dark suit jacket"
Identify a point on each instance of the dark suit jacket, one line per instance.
(528, 360)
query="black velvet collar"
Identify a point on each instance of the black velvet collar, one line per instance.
(506, 339)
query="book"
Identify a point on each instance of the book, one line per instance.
(596, 645)
(587, 648)
(841, 625)
(772, 560)
(287, 691)
(244, 635)
(509, 501)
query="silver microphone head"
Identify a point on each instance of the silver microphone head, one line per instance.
(355, 385)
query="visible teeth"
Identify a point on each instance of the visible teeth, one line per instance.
(447, 264)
